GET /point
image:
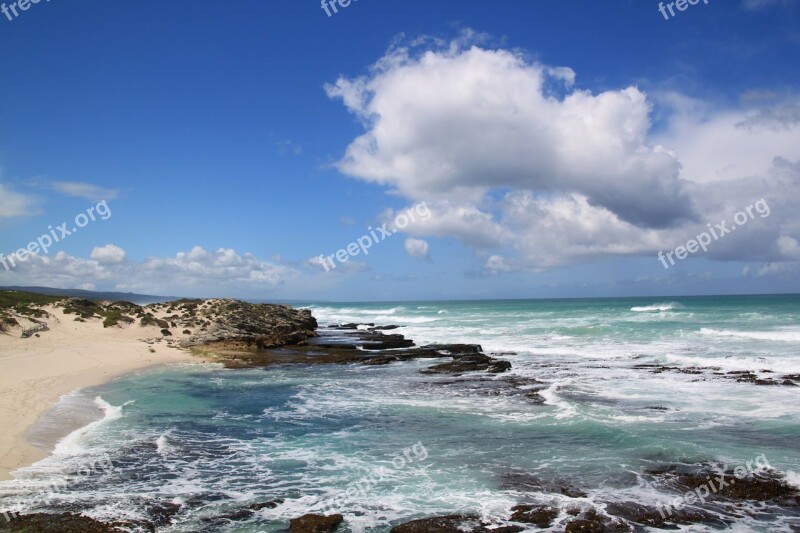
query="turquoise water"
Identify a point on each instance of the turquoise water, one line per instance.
(211, 441)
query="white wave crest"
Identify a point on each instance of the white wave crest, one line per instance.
(71, 444)
(667, 306)
(782, 336)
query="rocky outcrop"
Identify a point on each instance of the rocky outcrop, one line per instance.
(235, 325)
(362, 344)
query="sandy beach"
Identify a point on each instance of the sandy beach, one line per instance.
(35, 372)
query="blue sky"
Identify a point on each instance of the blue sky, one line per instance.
(558, 144)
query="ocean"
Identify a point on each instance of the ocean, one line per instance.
(624, 385)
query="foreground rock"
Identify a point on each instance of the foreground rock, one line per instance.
(765, 486)
(538, 515)
(315, 523)
(57, 523)
(643, 515)
(451, 524)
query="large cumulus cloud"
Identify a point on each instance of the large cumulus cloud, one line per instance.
(534, 173)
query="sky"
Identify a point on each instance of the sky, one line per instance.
(505, 149)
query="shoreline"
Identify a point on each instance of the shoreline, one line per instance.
(35, 373)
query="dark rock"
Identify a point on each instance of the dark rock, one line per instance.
(246, 512)
(470, 363)
(741, 376)
(371, 341)
(351, 345)
(445, 524)
(57, 523)
(455, 349)
(540, 516)
(593, 522)
(315, 523)
(651, 516)
(235, 325)
(349, 326)
(585, 526)
(765, 486)
(160, 513)
(524, 482)
(791, 379)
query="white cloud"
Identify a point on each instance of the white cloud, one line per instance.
(14, 204)
(498, 263)
(455, 122)
(789, 247)
(510, 158)
(779, 269)
(463, 221)
(417, 248)
(108, 254)
(196, 272)
(93, 193)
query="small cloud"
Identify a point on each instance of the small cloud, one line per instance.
(88, 191)
(418, 248)
(778, 269)
(789, 247)
(497, 263)
(191, 272)
(14, 204)
(108, 254)
(347, 221)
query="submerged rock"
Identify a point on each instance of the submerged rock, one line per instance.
(591, 521)
(524, 482)
(245, 512)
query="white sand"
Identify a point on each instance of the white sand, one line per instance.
(36, 372)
